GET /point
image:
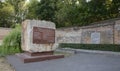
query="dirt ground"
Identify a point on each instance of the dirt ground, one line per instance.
(4, 65)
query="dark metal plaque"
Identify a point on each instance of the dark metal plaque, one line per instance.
(43, 35)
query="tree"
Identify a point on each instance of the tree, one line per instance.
(46, 10)
(20, 9)
(42, 10)
(97, 10)
(6, 12)
(69, 12)
(114, 9)
(1, 4)
(63, 12)
(32, 7)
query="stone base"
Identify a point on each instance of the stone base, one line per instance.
(36, 57)
(40, 53)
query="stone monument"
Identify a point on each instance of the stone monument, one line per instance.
(38, 41)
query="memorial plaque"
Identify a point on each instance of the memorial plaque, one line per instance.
(38, 41)
(43, 35)
(95, 38)
(38, 36)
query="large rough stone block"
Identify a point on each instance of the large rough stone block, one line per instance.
(38, 36)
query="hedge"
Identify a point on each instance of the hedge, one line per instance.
(103, 47)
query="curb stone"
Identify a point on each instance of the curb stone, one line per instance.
(77, 51)
(65, 51)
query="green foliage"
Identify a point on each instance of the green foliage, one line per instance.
(12, 42)
(12, 12)
(96, 11)
(6, 12)
(42, 10)
(20, 10)
(46, 10)
(1, 50)
(114, 9)
(64, 13)
(67, 14)
(32, 7)
(103, 47)
(80, 12)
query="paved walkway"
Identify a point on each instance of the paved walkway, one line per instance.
(78, 62)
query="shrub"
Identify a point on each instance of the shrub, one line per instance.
(12, 42)
(103, 47)
(0, 51)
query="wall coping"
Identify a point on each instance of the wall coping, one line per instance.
(93, 25)
(5, 28)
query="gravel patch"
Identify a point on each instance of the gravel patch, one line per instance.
(4, 65)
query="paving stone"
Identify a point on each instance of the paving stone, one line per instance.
(77, 62)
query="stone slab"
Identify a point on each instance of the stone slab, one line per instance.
(39, 53)
(28, 59)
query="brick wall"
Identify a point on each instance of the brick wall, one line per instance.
(117, 32)
(104, 32)
(68, 35)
